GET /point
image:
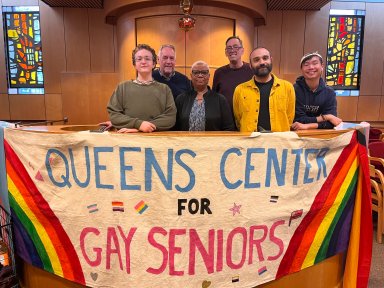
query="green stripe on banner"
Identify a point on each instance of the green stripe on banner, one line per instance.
(3, 175)
(322, 254)
(30, 228)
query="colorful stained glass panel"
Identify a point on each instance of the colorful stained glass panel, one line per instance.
(345, 38)
(24, 53)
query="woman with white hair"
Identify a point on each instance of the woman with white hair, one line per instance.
(202, 109)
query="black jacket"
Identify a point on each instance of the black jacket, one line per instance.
(311, 104)
(218, 116)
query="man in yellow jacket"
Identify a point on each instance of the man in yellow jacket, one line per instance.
(265, 102)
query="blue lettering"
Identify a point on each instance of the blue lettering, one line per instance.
(190, 172)
(123, 168)
(99, 167)
(224, 179)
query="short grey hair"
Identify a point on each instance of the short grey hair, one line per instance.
(167, 46)
(201, 62)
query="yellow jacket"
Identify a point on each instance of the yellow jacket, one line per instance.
(246, 104)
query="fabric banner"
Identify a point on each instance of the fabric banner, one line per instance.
(111, 210)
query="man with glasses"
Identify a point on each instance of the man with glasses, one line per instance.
(227, 77)
(264, 103)
(166, 73)
(202, 109)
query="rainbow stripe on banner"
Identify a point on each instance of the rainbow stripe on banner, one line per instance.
(41, 239)
(325, 231)
(141, 207)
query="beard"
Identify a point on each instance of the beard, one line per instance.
(262, 70)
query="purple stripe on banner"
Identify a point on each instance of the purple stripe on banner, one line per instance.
(143, 209)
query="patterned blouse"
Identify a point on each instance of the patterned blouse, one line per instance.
(197, 116)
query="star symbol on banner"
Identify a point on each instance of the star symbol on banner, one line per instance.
(235, 209)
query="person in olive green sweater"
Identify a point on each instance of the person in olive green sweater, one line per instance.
(142, 104)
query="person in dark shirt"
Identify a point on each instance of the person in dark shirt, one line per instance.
(316, 106)
(166, 73)
(265, 102)
(202, 109)
(227, 77)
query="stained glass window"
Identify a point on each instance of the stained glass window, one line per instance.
(23, 47)
(344, 51)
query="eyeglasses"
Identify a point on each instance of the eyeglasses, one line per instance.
(234, 48)
(146, 59)
(200, 72)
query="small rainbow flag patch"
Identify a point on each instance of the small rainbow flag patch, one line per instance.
(141, 207)
(262, 270)
(117, 206)
(92, 208)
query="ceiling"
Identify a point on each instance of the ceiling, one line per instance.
(271, 4)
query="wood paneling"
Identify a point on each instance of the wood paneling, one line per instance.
(4, 107)
(368, 108)
(381, 114)
(373, 56)
(27, 107)
(347, 108)
(148, 32)
(207, 41)
(53, 106)
(84, 99)
(53, 43)
(102, 46)
(77, 39)
(316, 31)
(292, 43)
(269, 36)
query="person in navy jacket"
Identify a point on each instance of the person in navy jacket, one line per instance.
(316, 106)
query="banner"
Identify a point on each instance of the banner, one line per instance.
(111, 210)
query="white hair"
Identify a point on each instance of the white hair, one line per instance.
(199, 62)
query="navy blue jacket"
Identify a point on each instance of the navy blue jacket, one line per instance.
(311, 104)
(179, 83)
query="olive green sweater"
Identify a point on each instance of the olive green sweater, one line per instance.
(132, 103)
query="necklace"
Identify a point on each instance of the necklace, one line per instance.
(144, 82)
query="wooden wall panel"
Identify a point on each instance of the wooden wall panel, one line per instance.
(381, 114)
(316, 31)
(347, 108)
(292, 42)
(207, 41)
(368, 108)
(102, 46)
(269, 36)
(373, 56)
(84, 99)
(148, 32)
(53, 43)
(3, 65)
(77, 39)
(27, 107)
(4, 107)
(53, 106)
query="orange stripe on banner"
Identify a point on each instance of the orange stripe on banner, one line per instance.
(311, 230)
(350, 272)
(60, 250)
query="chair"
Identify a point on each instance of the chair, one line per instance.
(375, 135)
(377, 189)
(376, 155)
